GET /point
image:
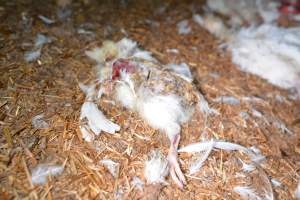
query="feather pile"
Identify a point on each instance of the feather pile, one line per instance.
(262, 48)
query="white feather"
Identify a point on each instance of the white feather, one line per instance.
(195, 167)
(247, 167)
(247, 193)
(40, 173)
(214, 25)
(156, 169)
(37, 49)
(137, 183)
(275, 182)
(203, 146)
(113, 167)
(183, 27)
(182, 70)
(38, 122)
(41, 40)
(227, 100)
(96, 121)
(32, 55)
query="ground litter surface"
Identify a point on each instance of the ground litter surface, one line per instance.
(261, 115)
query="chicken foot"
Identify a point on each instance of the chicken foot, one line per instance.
(175, 171)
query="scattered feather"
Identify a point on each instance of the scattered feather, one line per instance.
(175, 51)
(213, 25)
(227, 100)
(252, 99)
(82, 31)
(113, 167)
(156, 169)
(256, 113)
(247, 167)
(182, 69)
(36, 52)
(281, 126)
(275, 183)
(32, 55)
(119, 193)
(137, 183)
(247, 193)
(195, 167)
(183, 27)
(41, 40)
(244, 115)
(40, 173)
(39, 123)
(203, 146)
(218, 144)
(46, 20)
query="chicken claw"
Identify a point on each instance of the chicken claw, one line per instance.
(175, 171)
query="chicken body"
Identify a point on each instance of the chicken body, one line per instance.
(161, 97)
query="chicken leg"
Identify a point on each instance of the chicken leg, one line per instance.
(175, 170)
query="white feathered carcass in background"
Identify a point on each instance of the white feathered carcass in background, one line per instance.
(163, 98)
(264, 48)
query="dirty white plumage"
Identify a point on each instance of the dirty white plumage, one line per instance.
(158, 94)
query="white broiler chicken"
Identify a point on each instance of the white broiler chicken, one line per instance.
(160, 96)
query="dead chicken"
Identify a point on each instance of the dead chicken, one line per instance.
(160, 96)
